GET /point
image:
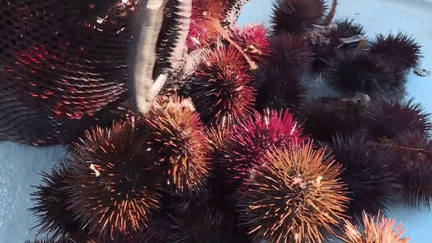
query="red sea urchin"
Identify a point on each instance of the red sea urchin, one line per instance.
(252, 137)
(205, 15)
(178, 136)
(221, 89)
(115, 181)
(252, 38)
(295, 196)
(375, 230)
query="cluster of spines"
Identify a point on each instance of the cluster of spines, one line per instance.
(221, 88)
(367, 172)
(178, 135)
(294, 196)
(250, 139)
(374, 229)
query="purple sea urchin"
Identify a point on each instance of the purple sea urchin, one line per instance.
(326, 40)
(293, 197)
(367, 173)
(412, 165)
(375, 230)
(179, 138)
(400, 50)
(291, 52)
(295, 16)
(221, 89)
(386, 119)
(195, 222)
(115, 181)
(350, 71)
(278, 88)
(323, 119)
(51, 207)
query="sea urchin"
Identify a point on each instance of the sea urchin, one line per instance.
(221, 89)
(375, 230)
(178, 136)
(115, 181)
(293, 197)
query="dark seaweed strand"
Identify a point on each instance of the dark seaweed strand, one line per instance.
(171, 41)
(232, 13)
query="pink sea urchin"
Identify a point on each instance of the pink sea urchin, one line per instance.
(251, 138)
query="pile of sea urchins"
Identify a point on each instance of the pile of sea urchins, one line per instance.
(243, 149)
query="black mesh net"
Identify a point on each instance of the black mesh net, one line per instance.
(63, 66)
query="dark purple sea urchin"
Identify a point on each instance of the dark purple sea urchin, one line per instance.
(278, 88)
(295, 16)
(278, 78)
(351, 71)
(399, 50)
(367, 173)
(294, 196)
(323, 119)
(386, 119)
(115, 181)
(51, 204)
(325, 41)
(193, 222)
(291, 52)
(412, 165)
